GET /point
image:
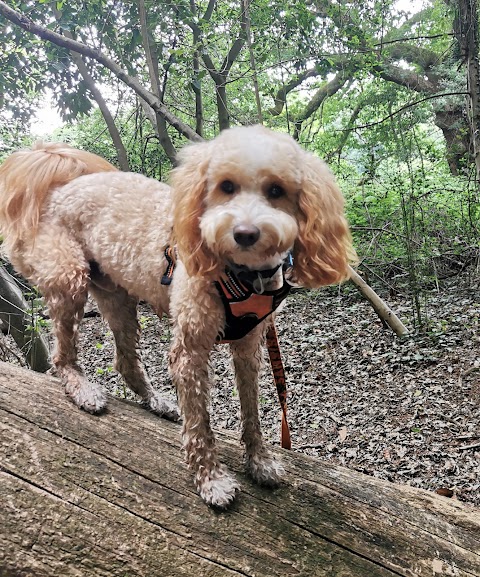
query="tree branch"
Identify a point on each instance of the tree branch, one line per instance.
(197, 81)
(122, 155)
(346, 133)
(379, 306)
(389, 116)
(282, 92)
(237, 46)
(406, 78)
(410, 38)
(209, 11)
(319, 97)
(131, 81)
(246, 9)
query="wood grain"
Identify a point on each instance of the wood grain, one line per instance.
(109, 495)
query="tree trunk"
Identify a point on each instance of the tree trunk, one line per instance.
(122, 155)
(110, 496)
(473, 76)
(248, 36)
(452, 123)
(160, 124)
(222, 108)
(14, 316)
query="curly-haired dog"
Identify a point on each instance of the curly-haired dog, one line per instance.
(73, 224)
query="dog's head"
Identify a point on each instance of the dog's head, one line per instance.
(250, 196)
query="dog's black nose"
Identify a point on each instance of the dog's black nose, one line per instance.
(246, 235)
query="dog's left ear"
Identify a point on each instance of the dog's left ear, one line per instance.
(323, 249)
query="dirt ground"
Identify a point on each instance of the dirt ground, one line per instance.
(406, 410)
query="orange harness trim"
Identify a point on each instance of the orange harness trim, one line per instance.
(170, 254)
(244, 307)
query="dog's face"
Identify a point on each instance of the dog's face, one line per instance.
(250, 200)
(250, 196)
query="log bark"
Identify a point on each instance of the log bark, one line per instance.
(109, 495)
(379, 306)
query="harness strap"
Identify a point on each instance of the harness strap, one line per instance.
(278, 371)
(171, 256)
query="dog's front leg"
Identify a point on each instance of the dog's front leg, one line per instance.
(248, 358)
(197, 317)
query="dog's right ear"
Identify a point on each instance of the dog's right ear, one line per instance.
(189, 184)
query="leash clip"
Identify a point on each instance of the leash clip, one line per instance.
(258, 285)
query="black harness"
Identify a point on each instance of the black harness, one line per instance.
(245, 301)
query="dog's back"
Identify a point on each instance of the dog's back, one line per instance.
(122, 221)
(74, 225)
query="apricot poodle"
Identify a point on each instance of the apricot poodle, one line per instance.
(251, 201)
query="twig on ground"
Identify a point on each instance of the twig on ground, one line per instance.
(467, 447)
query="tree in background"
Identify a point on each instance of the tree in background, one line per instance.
(200, 68)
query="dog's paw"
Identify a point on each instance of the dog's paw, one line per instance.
(162, 407)
(86, 395)
(264, 470)
(218, 491)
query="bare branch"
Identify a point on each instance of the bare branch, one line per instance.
(410, 38)
(131, 81)
(410, 105)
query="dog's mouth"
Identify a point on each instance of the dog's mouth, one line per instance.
(262, 279)
(263, 256)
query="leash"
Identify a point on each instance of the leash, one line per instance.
(278, 371)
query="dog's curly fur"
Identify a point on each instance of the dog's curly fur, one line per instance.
(73, 224)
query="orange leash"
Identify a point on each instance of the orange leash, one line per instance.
(280, 381)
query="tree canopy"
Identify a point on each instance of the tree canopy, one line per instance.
(195, 64)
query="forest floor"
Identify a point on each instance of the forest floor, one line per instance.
(402, 409)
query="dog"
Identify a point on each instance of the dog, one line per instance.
(251, 201)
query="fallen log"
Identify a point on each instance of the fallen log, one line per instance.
(109, 495)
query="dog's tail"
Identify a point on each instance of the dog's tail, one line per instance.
(26, 178)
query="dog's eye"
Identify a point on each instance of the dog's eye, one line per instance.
(227, 186)
(275, 191)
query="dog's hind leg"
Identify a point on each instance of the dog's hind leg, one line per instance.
(66, 304)
(120, 311)
(248, 357)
